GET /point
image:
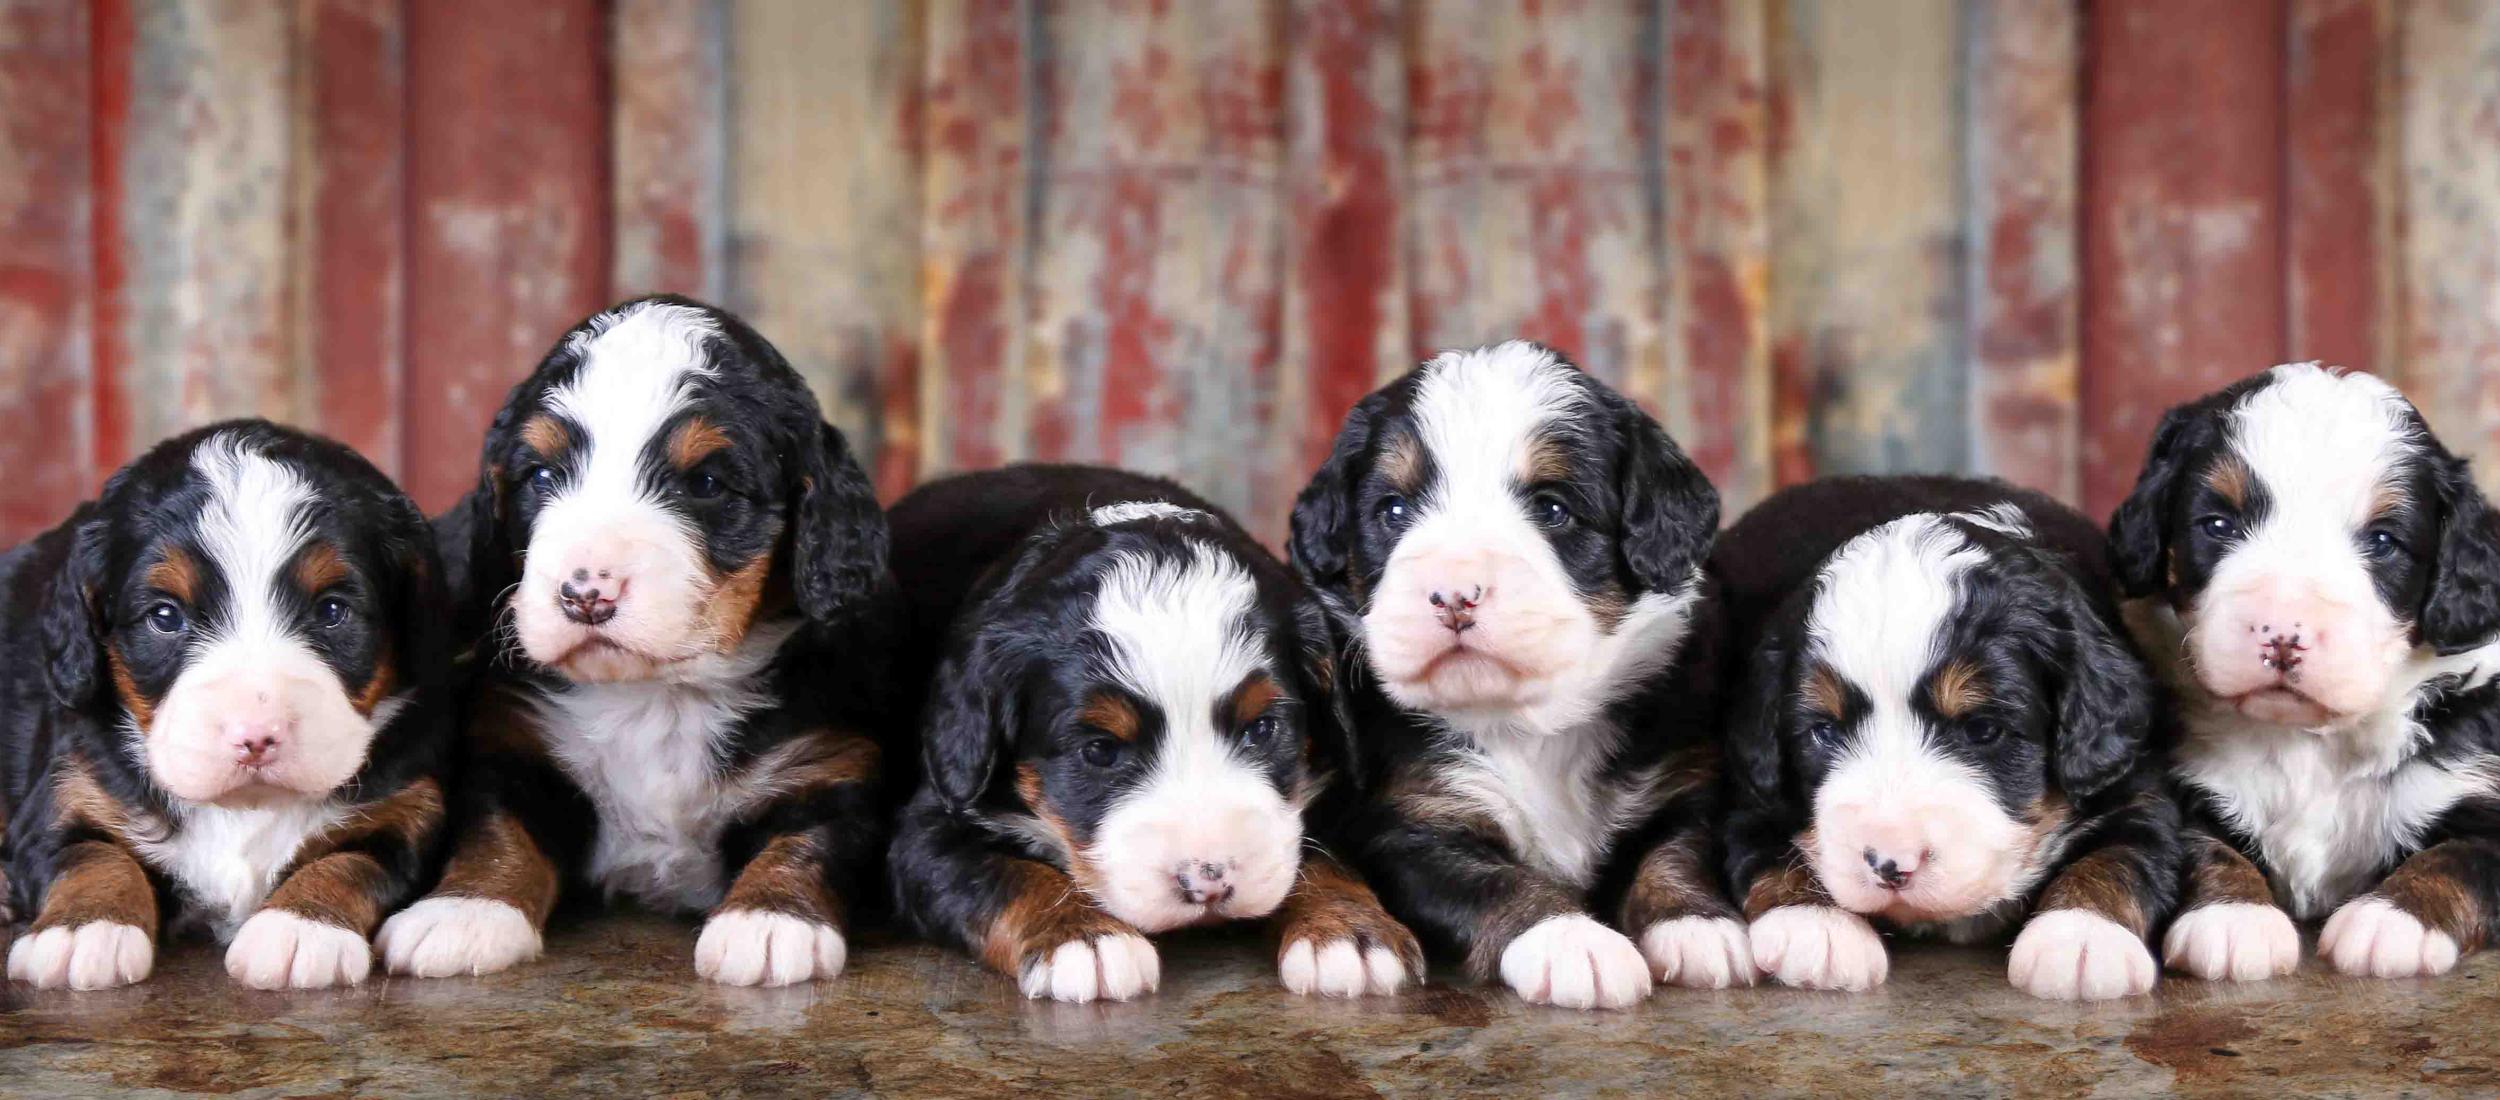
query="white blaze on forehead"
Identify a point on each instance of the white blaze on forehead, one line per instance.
(638, 365)
(2322, 443)
(1178, 639)
(1480, 412)
(251, 529)
(1112, 514)
(1882, 604)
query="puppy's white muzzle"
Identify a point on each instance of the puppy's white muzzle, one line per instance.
(1468, 617)
(610, 597)
(241, 733)
(1165, 863)
(2295, 650)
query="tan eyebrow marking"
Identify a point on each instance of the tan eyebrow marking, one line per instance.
(546, 435)
(175, 575)
(694, 441)
(1257, 692)
(1111, 714)
(1402, 465)
(2229, 478)
(1825, 693)
(1957, 690)
(2389, 498)
(319, 567)
(1546, 461)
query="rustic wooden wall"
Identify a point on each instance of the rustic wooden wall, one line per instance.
(1813, 235)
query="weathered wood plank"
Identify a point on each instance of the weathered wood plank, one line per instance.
(44, 265)
(824, 189)
(1156, 293)
(670, 135)
(973, 234)
(202, 214)
(2451, 192)
(349, 247)
(1867, 198)
(1345, 268)
(508, 213)
(1531, 209)
(2340, 208)
(2182, 226)
(2025, 313)
(1715, 395)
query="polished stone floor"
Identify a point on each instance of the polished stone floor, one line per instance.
(615, 1012)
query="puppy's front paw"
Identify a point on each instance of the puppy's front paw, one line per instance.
(1117, 967)
(753, 947)
(1699, 952)
(99, 954)
(445, 936)
(2371, 938)
(2075, 955)
(1819, 947)
(1574, 962)
(1345, 967)
(2233, 940)
(277, 949)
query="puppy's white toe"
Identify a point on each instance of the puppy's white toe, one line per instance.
(1339, 968)
(1572, 961)
(2233, 941)
(2371, 938)
(445, 936)
(753, 947)
(1819, 947)
(1116, 967)
(2075, 955)
(95, 955)
(277, 949)
(1699, 952)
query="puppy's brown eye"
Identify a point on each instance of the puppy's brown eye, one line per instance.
(1394, 512)
(543, 478)
(704, 486)
(1102, 752)
(332, 611)
(1822, 731)
(1549, 511)
(1261, 731)
(1984, 734)
(2220, 527)
(164, 617)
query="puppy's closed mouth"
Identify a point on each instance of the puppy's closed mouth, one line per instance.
(2283, 705)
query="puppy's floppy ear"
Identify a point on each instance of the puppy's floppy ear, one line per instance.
(73, 619)
(1327, 717)
(1322, 540)
(2138, 543)
(972, 718)
(1670, 509)
(2105, 697)
(1757, 764)
(2462, 609)
(840, 545)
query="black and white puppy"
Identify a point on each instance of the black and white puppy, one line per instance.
(1516, 552)
(2320, 580)
(685, 572)
(223, 709)
(1130, 704)
(1942, 730)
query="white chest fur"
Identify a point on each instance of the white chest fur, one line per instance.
(226, 862)
(1544, 790)
(2326, 822)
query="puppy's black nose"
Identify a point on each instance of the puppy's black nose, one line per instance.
(586, 605)
(1458, 607)
(1888, 870)
(1202, 884)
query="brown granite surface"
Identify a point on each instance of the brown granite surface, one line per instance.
(616, 1012)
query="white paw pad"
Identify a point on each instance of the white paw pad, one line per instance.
(1699, 952)
(280, 950)
(2371, 938)
(95, 955)
(1115, 968)
(2074, 955)
(2233, 941)
(753, 947)
(447, 936)
(1340, 968)
(1575, 962)
(1819, 947)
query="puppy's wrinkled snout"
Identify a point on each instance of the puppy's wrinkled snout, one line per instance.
(1893, 869)
(1456, 605)
(1203, 882)
(589, 597)
(253, 726)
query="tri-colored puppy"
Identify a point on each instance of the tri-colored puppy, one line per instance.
(1516, 552)
(224, 711)
(1128, 709)
(685, 572)
(1941, 731)
(2320, 580)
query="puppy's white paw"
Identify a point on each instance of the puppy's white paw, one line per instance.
(1819, 947)
(753, 947)
(1340, 968)
(445, 936)
(1699, 952)
(2075, 955)
(280, 950)
(2371, 938)
(1574, 962)
(96, 955)
(2233, 940)
(1116, 967)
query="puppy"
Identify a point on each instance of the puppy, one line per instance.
(2320, 582)
(685, 572)
(1515, 551)
(1130, 705)
(1942, 731)
(223, 711)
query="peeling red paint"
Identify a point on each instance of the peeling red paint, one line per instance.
(353, 241)
(45, 261)
(2336, 205)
